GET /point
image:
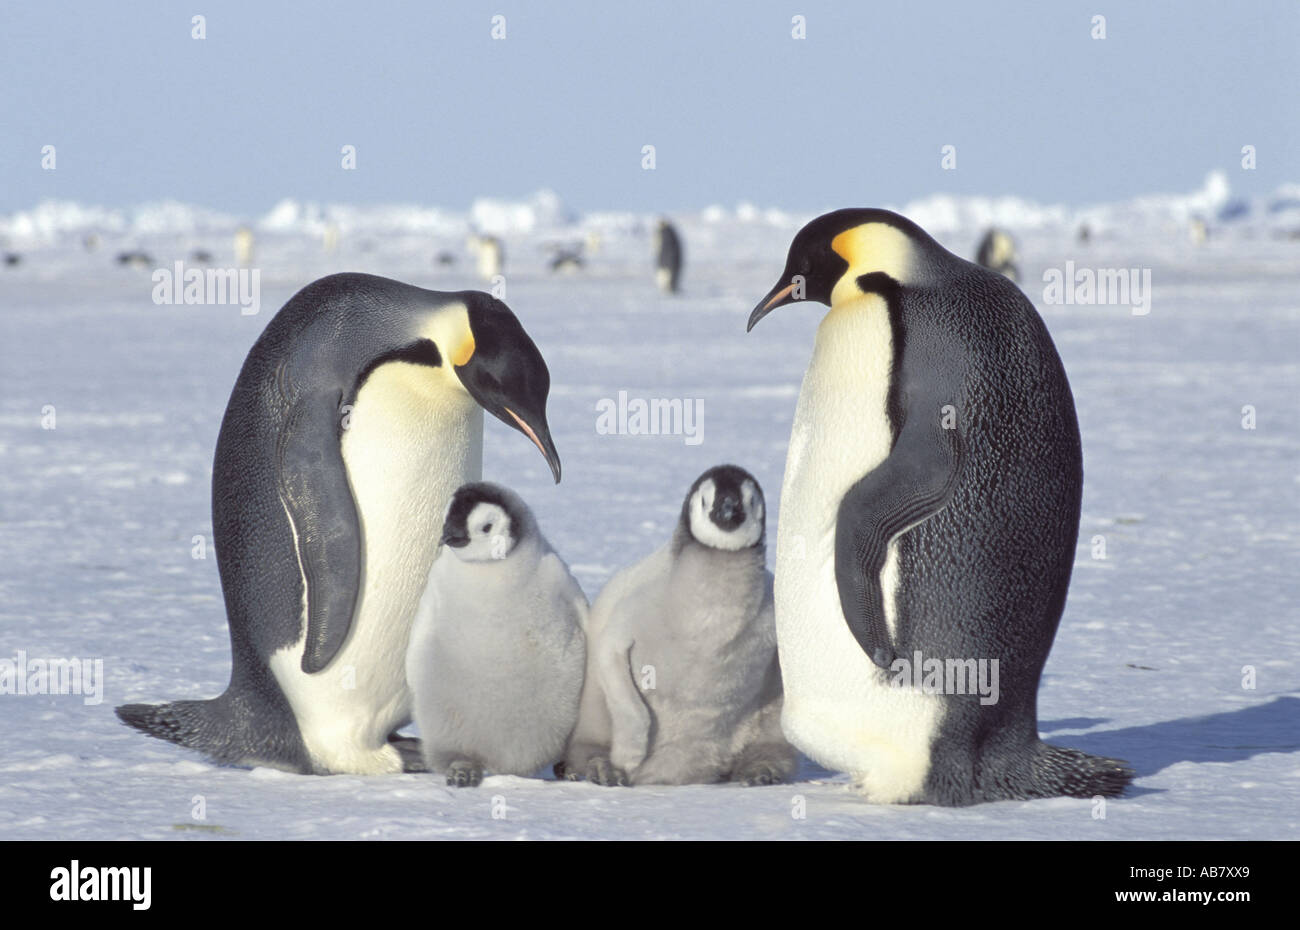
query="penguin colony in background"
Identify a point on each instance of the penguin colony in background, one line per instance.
(930, 510)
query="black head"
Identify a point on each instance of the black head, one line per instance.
(877, 248)
(724, 509)
(484, 522)
(503, 370)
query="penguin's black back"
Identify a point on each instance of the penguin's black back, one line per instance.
(986, 577)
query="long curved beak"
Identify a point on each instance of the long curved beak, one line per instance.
(778, 296)
(544, 443)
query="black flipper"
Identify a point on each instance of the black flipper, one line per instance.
(911, 485)
(314, 487)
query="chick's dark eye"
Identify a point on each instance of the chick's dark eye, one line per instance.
(487, 527)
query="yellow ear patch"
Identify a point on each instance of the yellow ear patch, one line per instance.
(869, 248)
(465, 352)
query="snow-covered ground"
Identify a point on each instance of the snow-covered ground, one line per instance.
(1199, 515)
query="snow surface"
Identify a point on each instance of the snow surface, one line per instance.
(1199, 516)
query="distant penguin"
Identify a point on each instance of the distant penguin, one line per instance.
(201, 257)
(997, 252)
(90, 242)
(930, 513)
(497, 649)
(668, 257)
(135, 258)
(566, 259)
(445, 258)
(1084, 235)
(243, 247)
(683, 684)
(1198, 231)
(13, 259)
(330, 238)
(358, 412)
(489, 255)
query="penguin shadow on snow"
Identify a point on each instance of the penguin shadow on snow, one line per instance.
(1230, 736)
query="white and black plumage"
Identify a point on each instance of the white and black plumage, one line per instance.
(930, 508)
(683, 684)
(358, 412)
(497, 650)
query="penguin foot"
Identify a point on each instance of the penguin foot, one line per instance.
(408, 747)
(759, 773)
(464, 773)
(603, 772)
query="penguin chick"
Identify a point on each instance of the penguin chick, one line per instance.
(683, 684)
(497, 650)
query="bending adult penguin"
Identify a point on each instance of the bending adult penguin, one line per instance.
(497, 649)
(697, 616)
(930, 511)
(358, 412)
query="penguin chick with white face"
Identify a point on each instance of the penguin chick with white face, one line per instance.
(683, 684)
(497, 650)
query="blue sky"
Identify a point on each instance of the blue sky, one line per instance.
(440, 113)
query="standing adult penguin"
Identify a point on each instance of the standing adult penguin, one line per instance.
(997, 252)
(358, 412)
(668, 257)
(930, 511)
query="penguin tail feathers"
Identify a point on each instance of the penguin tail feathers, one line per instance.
(179, 722)
(1058, 771)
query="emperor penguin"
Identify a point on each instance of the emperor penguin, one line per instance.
(668, 257)
(997, 252)
(929, 514)
(497, 650)
(489, 254)
(243, 246)
(358, 412)
(683, 684)
(566, 259)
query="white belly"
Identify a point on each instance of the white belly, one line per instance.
(411, 441)
(840, 709)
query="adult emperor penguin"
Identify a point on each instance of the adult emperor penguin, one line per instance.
(358, 412)
(497, 650)
(997, 251)
(682, 680)
(929, 512)
(668, 257)
(490, 255)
